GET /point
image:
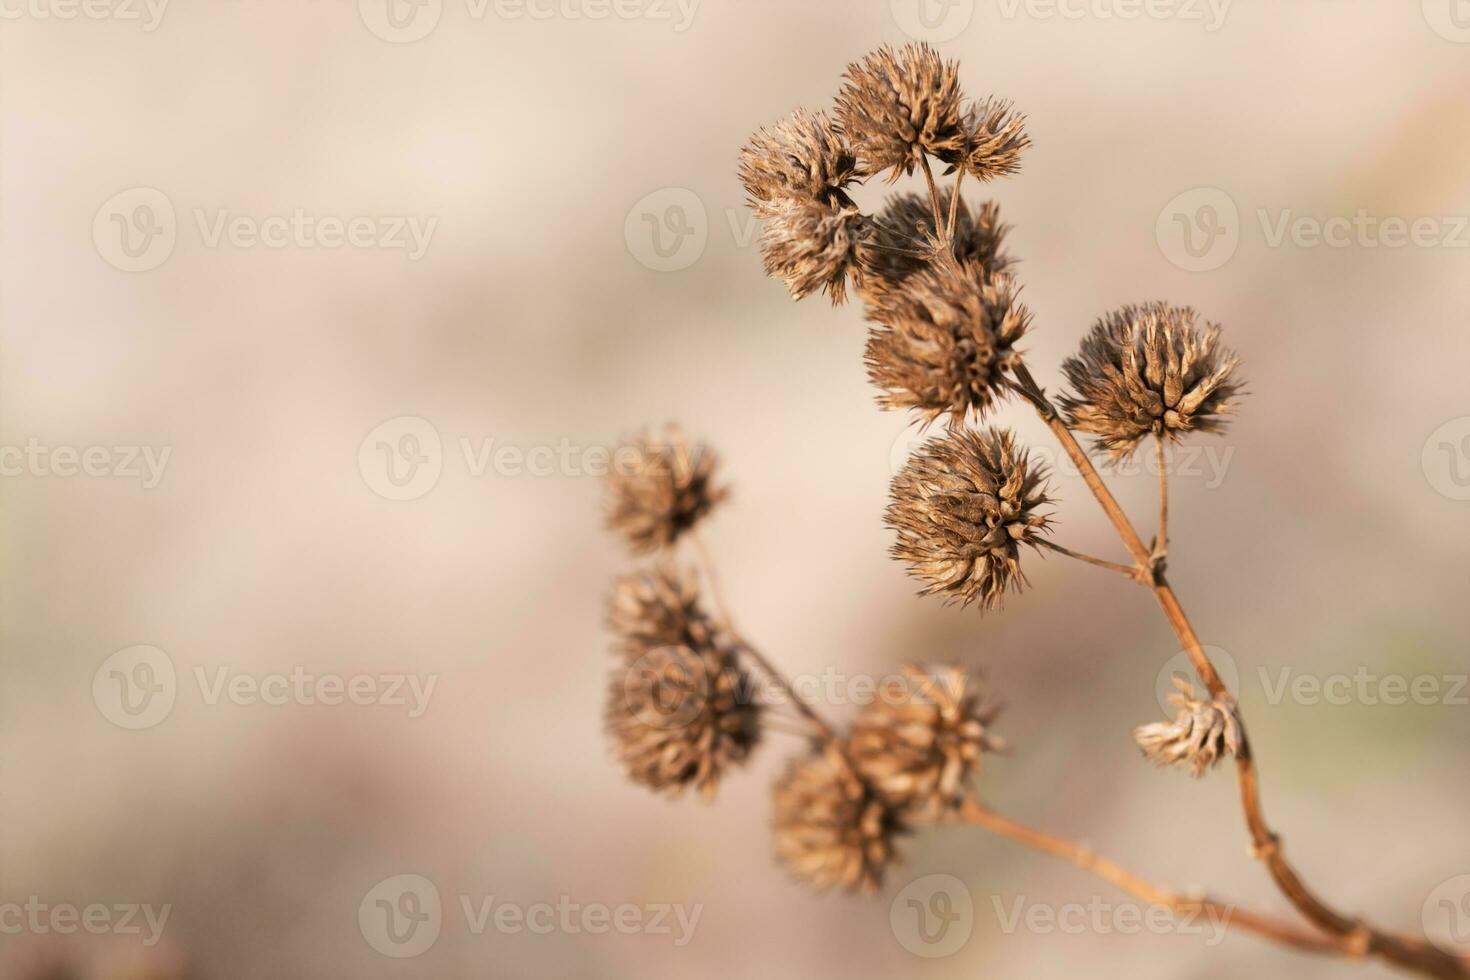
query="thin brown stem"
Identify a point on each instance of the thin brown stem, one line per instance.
(939, 221)
(973, 812)
(1161, 543)
(954, 207)
(1411, 953)
(707, 566)
(1128, 570)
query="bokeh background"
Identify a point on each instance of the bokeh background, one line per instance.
(591, 269)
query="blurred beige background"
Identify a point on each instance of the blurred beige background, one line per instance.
(539, 155)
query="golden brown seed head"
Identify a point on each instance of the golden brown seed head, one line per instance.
(1150, 369)
(814, 246)
(1201, 734)
(994, 137)
(658, 607)
(906, 226)
(962, 506)
(896, 106)
(679, 717)
(946, 342)
(833, 830)
(803, 159)
(659, 488)
(920, 740)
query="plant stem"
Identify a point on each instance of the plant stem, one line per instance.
(954, 207)
(1128, 570)
(973, 812)
(707, 566)
(1161, 543)
(939, 222)
(1414, 954)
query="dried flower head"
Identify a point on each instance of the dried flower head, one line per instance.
(1201, 734)
(896, 106)
(659, 488)
(905, 240)
(920, 740)
(813, 246)
(1150, 369)
(680, 717)
(658, 607)
(803, 159)
(994, 136)
(833, 830)
(962, 506)
(947, 340)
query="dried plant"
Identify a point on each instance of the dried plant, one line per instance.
(660, 488)
(938, 285)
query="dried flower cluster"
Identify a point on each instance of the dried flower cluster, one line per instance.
(963, 506)
(659, 488)
(833, 830)
(1201, 734)
(1150, 370)
(905, 239)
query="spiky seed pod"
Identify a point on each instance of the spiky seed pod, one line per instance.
(812, 246)
(681, 718)
(658, 607)
(803, 158)
(962, 506)
(947, 341)
(1150, 370)
(906, 227)
(994, 136)
(833, 830)
(896, 106)
(920, 740)
(1201, 734)
(659, 488)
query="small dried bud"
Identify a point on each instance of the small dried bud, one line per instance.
(833, 830)
(994, 136)
(962, 506)
(812, 246)
(680, 717)
(947, 341)
(656, 608)
(1150, 369)
(906, 227)
(660, 488)
(802, 159)
(921, 738)
(896, 106)
(1201, 734)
